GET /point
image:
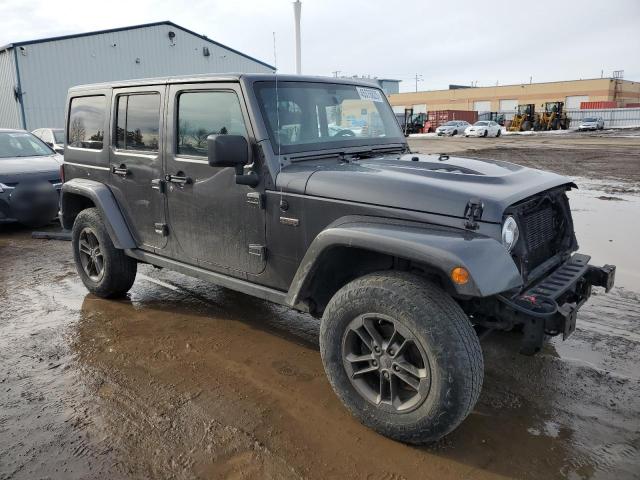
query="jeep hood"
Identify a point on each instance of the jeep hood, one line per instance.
(420, 182)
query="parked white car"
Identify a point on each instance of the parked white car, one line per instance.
(591, 123)
(453, 127)
(483, 128)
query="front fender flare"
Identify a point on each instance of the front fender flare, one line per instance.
(491, 268)
(105, 202)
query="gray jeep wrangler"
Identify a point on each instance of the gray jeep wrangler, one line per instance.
(303, 191)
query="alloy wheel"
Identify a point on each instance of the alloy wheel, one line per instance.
(385, 363)
(91, 257)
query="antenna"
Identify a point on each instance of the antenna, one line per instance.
(275, 64)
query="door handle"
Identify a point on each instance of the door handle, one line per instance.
(180, 178)
(121, 170)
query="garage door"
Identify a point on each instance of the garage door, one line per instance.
(509, 106)
(482, 106)
(575, 100)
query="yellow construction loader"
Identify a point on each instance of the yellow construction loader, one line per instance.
(553, 117)
(523, 120)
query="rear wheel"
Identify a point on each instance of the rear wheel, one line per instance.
(486, 133)
(402, 356)
(498, 133)
(104, 269)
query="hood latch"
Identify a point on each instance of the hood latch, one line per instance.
(473, 213)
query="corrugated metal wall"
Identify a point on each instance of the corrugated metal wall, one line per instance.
(48, 69)
(9, 106)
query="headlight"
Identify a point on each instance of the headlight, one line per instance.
(510, 233)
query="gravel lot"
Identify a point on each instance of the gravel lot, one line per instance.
(187, 380)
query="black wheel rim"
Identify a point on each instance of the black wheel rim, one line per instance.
(91, 257)
(386, 363)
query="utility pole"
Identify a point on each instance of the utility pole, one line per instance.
(418, 78)
(297, 7)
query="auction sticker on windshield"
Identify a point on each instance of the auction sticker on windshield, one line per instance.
(369, 94)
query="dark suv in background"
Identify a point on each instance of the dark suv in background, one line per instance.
(302, 191)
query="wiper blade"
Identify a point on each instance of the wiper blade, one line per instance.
(374, 151)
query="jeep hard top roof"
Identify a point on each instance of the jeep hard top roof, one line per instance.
(224, 77)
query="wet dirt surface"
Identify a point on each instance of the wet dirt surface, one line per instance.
(183, 379)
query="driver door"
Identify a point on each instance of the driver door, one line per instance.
(214, 222)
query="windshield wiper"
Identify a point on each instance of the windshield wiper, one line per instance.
(374, 151)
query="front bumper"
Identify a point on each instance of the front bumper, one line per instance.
(550, 306)
(30, 206)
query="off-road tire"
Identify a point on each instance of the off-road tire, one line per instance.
(119, 269)
(452, 347)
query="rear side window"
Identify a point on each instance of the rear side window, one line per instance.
(138, 122)
(86, 122)
(201, 114)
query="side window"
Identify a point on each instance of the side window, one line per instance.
(86, 122)
(138, 122)
(201, 114)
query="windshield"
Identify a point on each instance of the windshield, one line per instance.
(481, 124)
(590, 120)
(451, 124)
(58, 135)
(21, 144)
(314, 116)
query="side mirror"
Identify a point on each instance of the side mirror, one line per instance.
(231, 151)
(228, 151)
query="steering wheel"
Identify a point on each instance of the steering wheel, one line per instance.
(345, 133)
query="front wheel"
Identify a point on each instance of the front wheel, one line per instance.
(498, 133)
(104, 269)
(402, 356)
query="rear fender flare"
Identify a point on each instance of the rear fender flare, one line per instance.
(105, 202)
(491, 268)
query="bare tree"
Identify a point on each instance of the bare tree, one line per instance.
(76, 132)
(200, 137)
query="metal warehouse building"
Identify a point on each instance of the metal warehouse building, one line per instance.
(35, 75)
(506, 98)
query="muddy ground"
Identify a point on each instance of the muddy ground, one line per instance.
(184, 380)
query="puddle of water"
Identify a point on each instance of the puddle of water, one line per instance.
(608, 230)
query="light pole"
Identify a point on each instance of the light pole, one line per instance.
(297, 7)
(418, 79)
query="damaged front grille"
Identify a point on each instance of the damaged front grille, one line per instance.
(539, 228)
(546, 229)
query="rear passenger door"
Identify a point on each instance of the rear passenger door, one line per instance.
(136, 162)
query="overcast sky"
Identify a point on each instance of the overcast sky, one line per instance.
(455, 41)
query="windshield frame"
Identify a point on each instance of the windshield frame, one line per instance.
(32, 137)
(331, 145)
